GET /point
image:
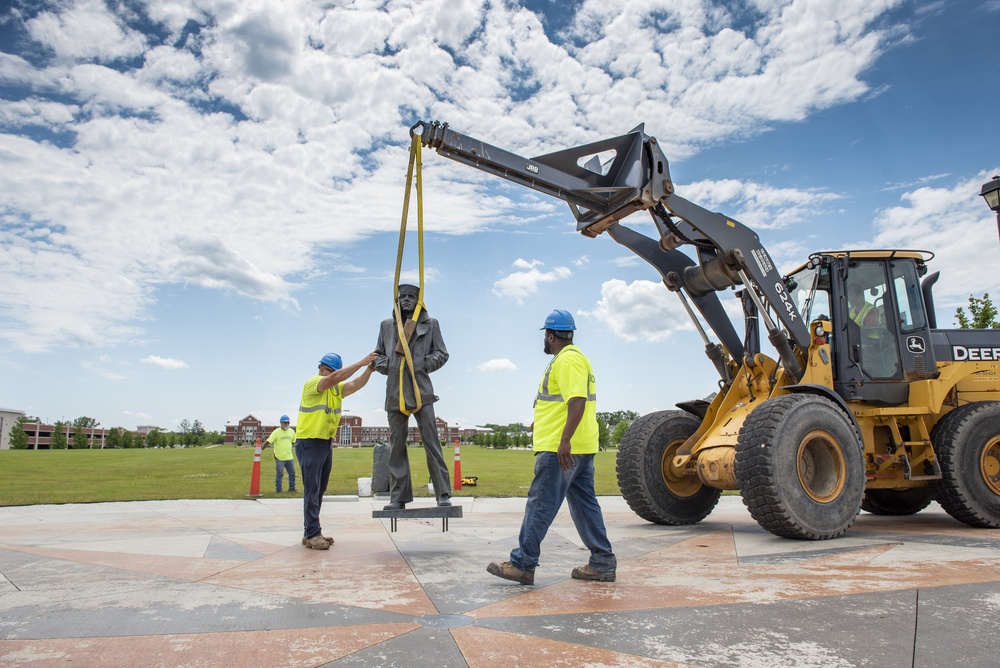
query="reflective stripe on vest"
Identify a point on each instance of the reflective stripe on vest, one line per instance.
(322, 407)
(862, 313)
(543, 392)
(321, 419)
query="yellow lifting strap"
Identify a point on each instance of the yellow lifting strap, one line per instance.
(406, 330)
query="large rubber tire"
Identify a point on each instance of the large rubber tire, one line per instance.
(897, 501)
(644, 456)
(967, 443)
(801, 467)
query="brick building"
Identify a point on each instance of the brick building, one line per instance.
(40, 435)
(350, 433)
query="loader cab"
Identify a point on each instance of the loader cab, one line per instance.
(881, 335)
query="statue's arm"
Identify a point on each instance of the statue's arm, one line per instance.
(438, 354)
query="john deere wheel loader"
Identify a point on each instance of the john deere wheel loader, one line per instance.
(864, 403)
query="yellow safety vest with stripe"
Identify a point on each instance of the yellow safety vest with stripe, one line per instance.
(860, 316)
(319, 412)
(567, 376)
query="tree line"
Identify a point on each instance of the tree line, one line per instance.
(611, 426)
(188, 434)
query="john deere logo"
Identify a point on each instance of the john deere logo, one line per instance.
(915, 344)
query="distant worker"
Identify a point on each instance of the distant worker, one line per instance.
(565, 441)
(319, 416)
(428, 352)
(282, 440)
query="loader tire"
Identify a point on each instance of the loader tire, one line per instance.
(800, 467)
(967, 443)
(644, 456)
(897, 501)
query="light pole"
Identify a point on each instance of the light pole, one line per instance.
(991, 193)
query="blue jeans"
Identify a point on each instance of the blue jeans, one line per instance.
(545, 496)
(280, 466)
(315, 460)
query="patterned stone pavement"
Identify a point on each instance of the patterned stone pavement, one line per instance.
(213, 583)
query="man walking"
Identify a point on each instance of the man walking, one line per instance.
(428, 352)
(319, 416)
(282, 440)
(565, 442)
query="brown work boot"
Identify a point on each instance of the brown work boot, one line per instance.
(509, 571)
(317, 543)
(588, 573)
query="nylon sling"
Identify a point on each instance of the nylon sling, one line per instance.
(404, 330)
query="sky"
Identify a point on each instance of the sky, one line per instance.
(200, 198)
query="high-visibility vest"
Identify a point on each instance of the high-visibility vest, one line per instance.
(859, 317)
(282, 440)
(861, 314)
(567, 375)
(319, 412)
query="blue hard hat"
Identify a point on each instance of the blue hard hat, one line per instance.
(284, 418)
(332, 360)
(559, 321)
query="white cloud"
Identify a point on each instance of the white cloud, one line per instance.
(102, 371)
(626, 261)
(756, 205)
(85, 30)
(639, 311)
(165, 362)
(521, 284)
(953, 223)
(497, 365)
(187, 157)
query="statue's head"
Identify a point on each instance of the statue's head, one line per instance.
(408, 298)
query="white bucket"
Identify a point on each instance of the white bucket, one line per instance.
(364, 486)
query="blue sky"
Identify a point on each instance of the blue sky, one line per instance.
(200, 198)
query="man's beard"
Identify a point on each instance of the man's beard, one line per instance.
(546, 348)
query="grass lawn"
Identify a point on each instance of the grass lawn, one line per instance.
(82, 476)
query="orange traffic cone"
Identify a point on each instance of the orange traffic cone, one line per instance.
(255, 474)
(457, 480)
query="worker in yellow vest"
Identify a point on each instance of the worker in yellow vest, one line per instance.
(565, 442)
(319, 417)
(860, 310)
(282, 440)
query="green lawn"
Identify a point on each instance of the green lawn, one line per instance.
(81, 476)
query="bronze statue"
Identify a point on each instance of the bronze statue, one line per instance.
(428, 354)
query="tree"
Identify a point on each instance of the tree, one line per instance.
(80, 440)
(114, 438)
(18, 437)
(127, 438)
(612, 418)
(603, 434)
(198, 431)
(982, 311)
(85, 422)
(58, 440)
(619, 432)
(155, 439)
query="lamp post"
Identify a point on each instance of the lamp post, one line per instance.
(991, 193)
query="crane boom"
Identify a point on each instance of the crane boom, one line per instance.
(606, 181)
